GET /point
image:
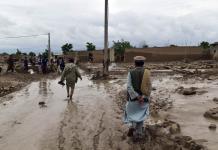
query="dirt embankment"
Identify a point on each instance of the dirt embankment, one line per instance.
(11, 82)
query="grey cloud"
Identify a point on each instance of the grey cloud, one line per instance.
(158, 22)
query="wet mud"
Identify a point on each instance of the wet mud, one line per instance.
(93, 120)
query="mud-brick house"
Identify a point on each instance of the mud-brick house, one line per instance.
(3, 58)
(175, 53)
(84, 56)
(214, 50)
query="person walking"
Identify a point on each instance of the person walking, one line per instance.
(71, 75)
(25, 64)
(138, 96)
(44, 65)
(10, 63)
(62, 64)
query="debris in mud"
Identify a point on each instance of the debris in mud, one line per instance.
(212, 127)
(6, 90)
(212, 113)
(99, 76)
(186, 91)
(189, 91)
(159, 137)
(42, 104)
(16, 123)
(215, 100)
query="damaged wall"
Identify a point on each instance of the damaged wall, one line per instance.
(164, 53)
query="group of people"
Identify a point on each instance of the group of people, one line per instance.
(138, 94)
(42, 63)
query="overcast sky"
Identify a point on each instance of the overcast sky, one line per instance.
(158, 22)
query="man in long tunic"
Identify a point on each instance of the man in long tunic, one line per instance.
(71, 75)
(138, 94)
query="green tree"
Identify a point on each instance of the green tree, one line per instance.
(4, 54)
(206, 48)
(18, 53)
(205, 45)
(67, 48)
(25, 54)
(173, 45)
(119, 48)
(32, 54)
(90, 46)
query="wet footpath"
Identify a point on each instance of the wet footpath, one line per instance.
(91, 121)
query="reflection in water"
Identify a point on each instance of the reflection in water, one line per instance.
(71, 107)
(43, 88)
(26, 92)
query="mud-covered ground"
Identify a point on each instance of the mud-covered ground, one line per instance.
(11, 82)
(94, 119)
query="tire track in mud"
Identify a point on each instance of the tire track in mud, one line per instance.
(97, 136)
(61, 138)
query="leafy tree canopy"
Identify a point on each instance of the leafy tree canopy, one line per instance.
(90, 46)
(67, 48)
(120, 46)
(205, 45)
(32, 54)
(18, 53)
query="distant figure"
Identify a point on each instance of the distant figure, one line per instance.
(44, 65)
(58, 62)
(32, 61)
(138, 95)
(91, 59)
(25, 64)
(62, 64)
(10, 63)
(71, 75)
(52, 65)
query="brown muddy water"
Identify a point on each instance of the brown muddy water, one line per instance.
(188, 111)
(93, 120)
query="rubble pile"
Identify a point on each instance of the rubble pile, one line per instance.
(212, 113)
(4, 90)
(166, 136)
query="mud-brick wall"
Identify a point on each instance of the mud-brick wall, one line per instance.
(83, 56)
(3, 59)
(164, 53)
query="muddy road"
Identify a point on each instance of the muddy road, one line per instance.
(91, 121)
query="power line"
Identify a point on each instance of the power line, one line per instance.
(23, 36)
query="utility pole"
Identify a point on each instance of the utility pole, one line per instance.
(106, 60)
(49, 48)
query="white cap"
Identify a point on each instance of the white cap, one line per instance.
(139, 58)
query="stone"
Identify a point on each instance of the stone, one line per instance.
(215, 99)
(189, 91)
(212, 113)
(42, 104)
(174, 129)
(212, 127)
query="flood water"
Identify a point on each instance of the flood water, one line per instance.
(93, 120)
(188, 111)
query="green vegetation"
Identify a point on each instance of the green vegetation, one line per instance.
(67, 48)
(120, 47)
(205, 45)
(32, 54)
(206, 48)
(90, 46)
